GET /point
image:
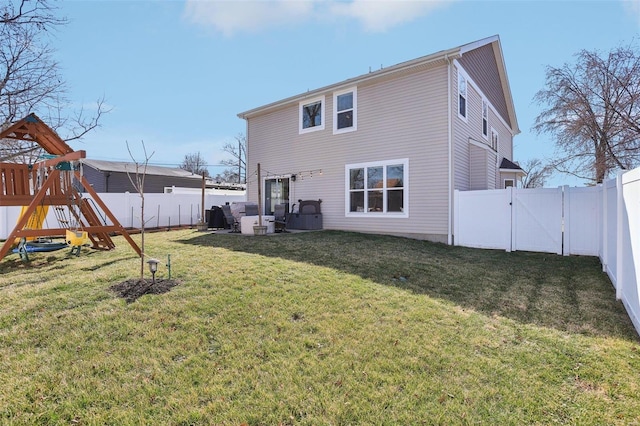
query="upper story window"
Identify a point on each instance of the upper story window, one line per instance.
(312, 115)
(344, 111)
(462, 96)
(485, 119)
(494, 139)
(378, 188)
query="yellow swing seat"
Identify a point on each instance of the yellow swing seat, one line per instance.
(76, 238)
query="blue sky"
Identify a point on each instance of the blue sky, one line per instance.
(177, 73)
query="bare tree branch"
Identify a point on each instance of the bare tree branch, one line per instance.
(537, 173)
(195, 163)
(237, 165)
(137, 181)
(30, 78)
(592, 109)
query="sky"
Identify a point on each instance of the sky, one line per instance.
(175, 73)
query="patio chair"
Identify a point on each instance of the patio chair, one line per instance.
(251, 210)
(232, 222)
(280, 214)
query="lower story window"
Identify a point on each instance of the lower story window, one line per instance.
(377, 188)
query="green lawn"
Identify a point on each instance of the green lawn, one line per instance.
(318, 328)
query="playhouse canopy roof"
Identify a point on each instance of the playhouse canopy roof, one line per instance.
(32, 129)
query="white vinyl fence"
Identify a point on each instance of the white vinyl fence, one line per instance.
(601, 221)
(552, 220)
(161, 210)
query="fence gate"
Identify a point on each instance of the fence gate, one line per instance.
(552, 220)
(537, 220)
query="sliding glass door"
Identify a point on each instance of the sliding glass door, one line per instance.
(276, 191)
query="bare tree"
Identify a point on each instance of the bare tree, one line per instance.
(237, 164)
(137, 177)
(37, 13)
(592, 110)
(537, 173)
(30, 79)
(227, 176)
(196, 164)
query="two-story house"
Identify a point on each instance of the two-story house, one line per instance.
(386, 150)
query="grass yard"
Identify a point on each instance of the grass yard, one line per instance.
(319, 328)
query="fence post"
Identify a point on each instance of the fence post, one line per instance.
(456, 216)
(604, 259)
(619, 233)
(565, 232)
(512, 200)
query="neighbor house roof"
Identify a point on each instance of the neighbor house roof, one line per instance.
(404, 67)
(510, 166)
(129, 167)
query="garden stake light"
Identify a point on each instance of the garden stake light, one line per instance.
(153, 267)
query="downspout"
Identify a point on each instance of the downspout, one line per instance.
(450, 159)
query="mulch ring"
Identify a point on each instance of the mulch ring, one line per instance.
(131, 289)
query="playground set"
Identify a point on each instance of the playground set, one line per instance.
(57, 182)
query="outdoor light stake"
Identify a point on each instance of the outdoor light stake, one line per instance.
(153, 267)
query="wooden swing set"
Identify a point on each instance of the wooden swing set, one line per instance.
(57, 182)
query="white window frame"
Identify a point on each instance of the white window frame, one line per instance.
(354, 127)
(383, 214)
(463, 77)
(485, 119)
(504, 183)
(323, 117)
(495, 139)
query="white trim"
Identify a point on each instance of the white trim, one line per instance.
(514, 171)
(384, 214)
(504, 183)
(479, 144)
(354, 127)
(476, 44)
(323, 117)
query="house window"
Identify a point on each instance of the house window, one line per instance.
(494, 139)
(344, 111)
(485, 119)
(509, 183)
(462, 96)
(377, 189)
(312, 115)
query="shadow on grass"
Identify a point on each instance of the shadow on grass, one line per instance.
(13, 262)
(570, 294)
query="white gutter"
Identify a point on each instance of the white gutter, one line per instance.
(450, 141)
(382, 73)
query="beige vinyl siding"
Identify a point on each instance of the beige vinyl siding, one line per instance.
(481, 66)
(477, 168)
(482, 168)
(462, 131)
(399, 118)
(472, 128)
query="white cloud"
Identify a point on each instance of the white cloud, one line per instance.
(381, 15)
(633, 6)
(231, 17)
